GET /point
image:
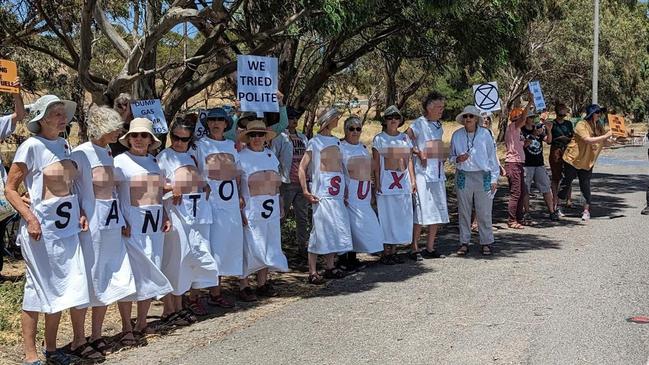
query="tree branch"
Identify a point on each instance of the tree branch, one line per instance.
(110, 32)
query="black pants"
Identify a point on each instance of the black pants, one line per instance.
(569, 174)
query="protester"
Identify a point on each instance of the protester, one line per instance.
(239, 120)
(535, 172)
(562, 133)
(394, 177)
(55, 277)
(289, 147)
(7, 127)
(122, 105)
(514, 161)
(260, 182)
(331, 232)
(476, 177)
(108, 268)
(218, 160)
(366, 232)
(140, 192)
(187, 259)
(581, 154)
(430, 206)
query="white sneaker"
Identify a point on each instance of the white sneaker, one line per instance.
(585, 216)
(560, 213)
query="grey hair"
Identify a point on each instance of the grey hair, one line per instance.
(121, 99)
(353, 119)
(102, 120)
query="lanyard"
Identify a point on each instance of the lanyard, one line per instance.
(470, 142)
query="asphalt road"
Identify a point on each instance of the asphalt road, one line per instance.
(553, 294)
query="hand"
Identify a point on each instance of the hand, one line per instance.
(177, 197)
(609, 134)
(413, 188)
(17, 85)
(166, 225)
(422, 159)
(463, 157)
(237, 104)
(242, 203)
(548, 125)
(207, 190)
(126, 231)
(34, 229)
(244, 220)
(280, 97)
(83, 223)
(312, 199)
(494, 186)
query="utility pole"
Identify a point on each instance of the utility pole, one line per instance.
(595, 51)
(185, 53)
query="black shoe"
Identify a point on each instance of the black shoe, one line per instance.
(266, 290)
(645, 211)
(431, 254)
(554, 216)
(397, 259)
(415, 256)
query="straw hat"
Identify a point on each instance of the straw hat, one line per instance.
(327, 116)
(39, 108)
(247, 117)
(472, 110)
(140, 125)
(256, 126)
(392, 110)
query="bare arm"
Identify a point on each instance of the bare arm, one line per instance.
(17, 173)
(19, 109)
(411, 171)
(301, 173)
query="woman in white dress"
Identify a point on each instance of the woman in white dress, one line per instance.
(330, 234)
(55, 275)
(107, 265)
(187, 260)
(395, 183)
(140, 191)
(262, 233)
(218, 161)
(366, 232)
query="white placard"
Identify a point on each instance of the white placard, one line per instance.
(537, 94)
(201, 130)
(485, 96)
(257, 83)
(151, 110)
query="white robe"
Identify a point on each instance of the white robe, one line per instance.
(107, 265)
(226, 233)
(145, 245)
(331, 231)
(367, 235)
(262, 235)
(187, 260)
(55, 275)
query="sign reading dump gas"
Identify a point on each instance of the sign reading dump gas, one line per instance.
(257, 83)
(151, 110)
(8, 76)
(616, 123)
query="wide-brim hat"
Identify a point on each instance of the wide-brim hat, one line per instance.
(140, 125)
(256, 126)
(39, 108)
(472, 110)
(327, 116)
(392, 110)
(219, 113)
(247, 117)
(592, 109)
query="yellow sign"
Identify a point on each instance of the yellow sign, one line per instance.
(8, 76)
(616, 123)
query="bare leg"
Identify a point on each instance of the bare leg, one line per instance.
(329, 261)
(168, 305)
(178, 303)
(313, 263)
(244, 283)
(29, 323)
(432, 235)
(262, 277)
(549, 202)
(215, 291)
(142, 311)
(78, 319)
(416, 233)
(51, 329)
(98, 315)
(125, 310)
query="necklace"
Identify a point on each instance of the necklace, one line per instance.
(470, 142)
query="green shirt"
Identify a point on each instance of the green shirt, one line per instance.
(562, 133)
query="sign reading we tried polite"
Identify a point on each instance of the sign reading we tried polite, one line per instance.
(151, 110)
(8, 76)
(617, 125)
(257, 83)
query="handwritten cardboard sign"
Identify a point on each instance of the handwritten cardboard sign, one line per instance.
(8, 76)
(616, 123)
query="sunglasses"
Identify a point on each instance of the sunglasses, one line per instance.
(355, 129)
(182, 139)
(140, 135)
(468, 116)
(219, 119)
(392, 117)
(257, 134)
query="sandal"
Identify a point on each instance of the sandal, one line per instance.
(59, 357)
(515, 225)
(128, 343)
(486, 250)
(334, 274)
(316, 279)
(174, 319)
(464, 249)
(100, 345)
(196, 307)
(219, 301)
(187, 315)
(84, 352)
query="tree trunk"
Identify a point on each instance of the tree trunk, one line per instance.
(391, 66)
(144, 87)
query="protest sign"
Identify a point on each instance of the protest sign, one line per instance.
(8, 76)
(257, 83)
(201, 130)
(616, 123)
(537, 95)
(485, 96)
(151, 110)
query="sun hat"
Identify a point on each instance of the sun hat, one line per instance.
(247, 117)
(39, 108)
(392, 110)
(592, 109)
(516, 113)
(327, 116)
(256, 126)
(472, 110)
(140, 125)
(219, 113)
